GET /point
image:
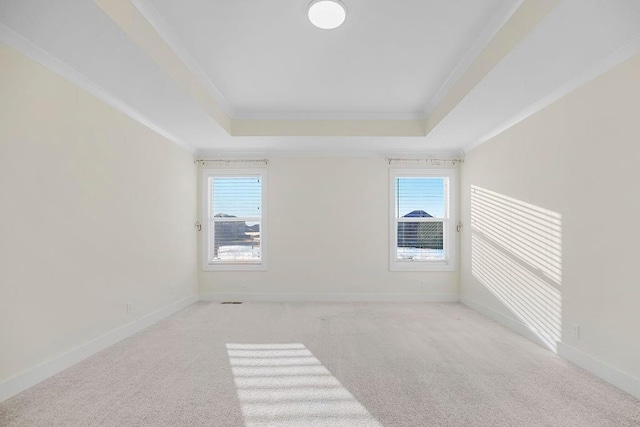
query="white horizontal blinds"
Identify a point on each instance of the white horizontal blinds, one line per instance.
(421, 216)
(235, 219)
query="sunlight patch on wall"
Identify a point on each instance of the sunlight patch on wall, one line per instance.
(516, 253)
(527, 231)
(285, 385)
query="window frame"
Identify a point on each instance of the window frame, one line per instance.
(208, 265)
(449, 227)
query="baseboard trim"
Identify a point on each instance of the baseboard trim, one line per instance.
(600, 369)
(608, 373)
(327, 297)
(506, 321)
(26, 379)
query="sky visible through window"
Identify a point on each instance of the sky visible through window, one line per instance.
(420, 194)
(239, 196)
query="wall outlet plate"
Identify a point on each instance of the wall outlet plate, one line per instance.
(130, 308)
(575, 331)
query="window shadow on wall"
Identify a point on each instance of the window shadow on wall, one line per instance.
(285, 385)
(516, 253)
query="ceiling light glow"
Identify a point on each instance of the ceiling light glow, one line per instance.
(327, 14)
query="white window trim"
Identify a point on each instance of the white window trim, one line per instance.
(451, 237)
(206, 203)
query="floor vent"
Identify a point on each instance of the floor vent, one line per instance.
(230, 302)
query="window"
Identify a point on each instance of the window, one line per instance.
(422, 225)
(234, 228)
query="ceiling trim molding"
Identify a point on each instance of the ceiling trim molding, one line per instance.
(231, 154)
(327, 128)
(50, 62)
(616, 58)
(483, 40)
(127, 16)
(151, 14)
(293, 115)
(518, 26)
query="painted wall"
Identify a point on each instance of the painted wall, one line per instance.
(551, 234)
(97, 211)
(328, 239)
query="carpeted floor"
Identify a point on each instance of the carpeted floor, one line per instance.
(297, 364)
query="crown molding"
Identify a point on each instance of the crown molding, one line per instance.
(483, 40)
(32, 51)
(518, 26)
(592, 73)
(227, 154)
(344, 115)
(372, 128)
(137, 27)
(151, 14)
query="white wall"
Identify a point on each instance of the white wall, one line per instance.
(328, 239)
(576, 164)
(96, 211)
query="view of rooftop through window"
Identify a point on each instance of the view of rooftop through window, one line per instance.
(418, 193)
(235, 216)
(420, 212)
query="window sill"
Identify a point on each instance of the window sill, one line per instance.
(235, 267)
(421, 266)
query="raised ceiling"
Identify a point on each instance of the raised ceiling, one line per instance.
(388, 60)
(249, 76)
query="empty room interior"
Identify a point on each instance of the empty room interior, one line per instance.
(319, 213)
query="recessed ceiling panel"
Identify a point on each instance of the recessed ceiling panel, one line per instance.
(389, 57)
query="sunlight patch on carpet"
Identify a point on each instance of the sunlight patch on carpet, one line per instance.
(285, 385)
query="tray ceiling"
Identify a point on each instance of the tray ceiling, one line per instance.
(255, 76)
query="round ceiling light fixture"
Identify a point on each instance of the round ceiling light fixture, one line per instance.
(327, 14)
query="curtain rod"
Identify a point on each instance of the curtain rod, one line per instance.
(230, 161)
(431, 161)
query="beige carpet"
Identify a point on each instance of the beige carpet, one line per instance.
(261, 364)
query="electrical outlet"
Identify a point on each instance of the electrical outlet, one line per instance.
(130, 308)
(575, 331)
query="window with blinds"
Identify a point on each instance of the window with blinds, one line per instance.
(421, 226)
(235, 225)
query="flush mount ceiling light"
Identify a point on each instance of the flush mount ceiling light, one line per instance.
(327, 14)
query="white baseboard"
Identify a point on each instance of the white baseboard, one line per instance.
(327, 297)
(600, 369)
(41, 372)
(509, 322)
